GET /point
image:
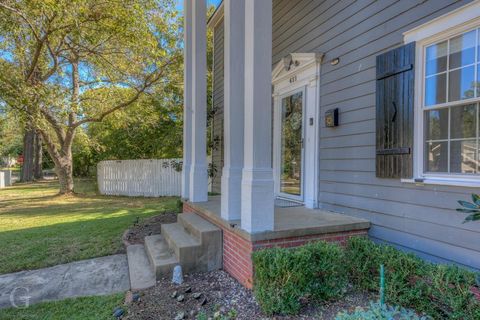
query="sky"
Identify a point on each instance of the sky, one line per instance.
(209, 2)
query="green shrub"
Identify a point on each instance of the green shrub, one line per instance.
(378, 311)
(440, 291)
(284, 276)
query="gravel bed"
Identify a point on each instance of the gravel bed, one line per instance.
(220, 294)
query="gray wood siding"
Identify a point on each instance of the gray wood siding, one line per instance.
(417, 218)
(421, 219)
(217, 124)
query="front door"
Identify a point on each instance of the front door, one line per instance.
(291, 146)
(296, 129)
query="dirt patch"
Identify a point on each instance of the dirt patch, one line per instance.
(147, 227)
(224, 296)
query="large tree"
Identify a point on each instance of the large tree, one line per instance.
(67, 63)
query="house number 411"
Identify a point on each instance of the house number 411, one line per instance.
(293, 79)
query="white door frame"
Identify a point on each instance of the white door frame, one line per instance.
(295, 73)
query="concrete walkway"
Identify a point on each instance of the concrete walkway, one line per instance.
(99, 276)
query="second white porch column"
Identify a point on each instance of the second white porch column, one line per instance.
(257, 180)
(187, 99)
(234, 55)
(198, 170)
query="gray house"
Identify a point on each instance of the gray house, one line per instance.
(333, 119)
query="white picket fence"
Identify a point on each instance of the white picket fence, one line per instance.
(147, 178)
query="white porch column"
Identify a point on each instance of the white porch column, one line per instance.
(257, 180)
(198, 168)
(234, 55)
(187, 99)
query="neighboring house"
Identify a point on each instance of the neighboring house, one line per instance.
(374, 117)
(8, 161)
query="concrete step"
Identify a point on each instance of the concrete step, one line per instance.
(139, 268)
(210, 255)
(199, 227)
(185, 245)
(162, 259)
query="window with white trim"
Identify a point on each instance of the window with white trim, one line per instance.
(450, 106)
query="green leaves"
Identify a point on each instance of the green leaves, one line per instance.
(284, 277)
(472, 208)
(441, 291)
(69, 63)
(476, 199)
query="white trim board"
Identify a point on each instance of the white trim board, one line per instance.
(441, 25)
(303, 75)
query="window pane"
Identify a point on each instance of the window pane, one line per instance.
(435, 89)
(436, 157)
(436, 124)
(463, 122)
(436, 58)
(463, 156)
(462, 50)
(477, 84)
(461, 84)
(292, 130)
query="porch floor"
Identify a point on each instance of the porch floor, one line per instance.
(289, 222)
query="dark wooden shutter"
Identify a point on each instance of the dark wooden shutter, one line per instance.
(394, 112)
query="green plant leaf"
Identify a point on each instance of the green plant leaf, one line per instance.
(476, 199)
(467, 204)
(467, 210)
(472, 217)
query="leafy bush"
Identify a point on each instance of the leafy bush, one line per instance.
(378, 311)
(472, 208)
(285, 276)
(440, 291)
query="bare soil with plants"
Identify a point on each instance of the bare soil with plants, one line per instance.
(216, 295)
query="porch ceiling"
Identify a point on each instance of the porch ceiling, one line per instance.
(289, 222)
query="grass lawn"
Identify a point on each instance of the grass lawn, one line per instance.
(40, 229)
(89, 308)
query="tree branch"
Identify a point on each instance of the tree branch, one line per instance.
(149, 81)
(55, 124)
(51, 147)
(23, 16)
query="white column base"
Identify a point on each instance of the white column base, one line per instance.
(185, 181)
(310, 204)
(257, 200)
(198, 184)
(231, 201)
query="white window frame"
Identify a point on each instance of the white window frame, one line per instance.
(442, 28)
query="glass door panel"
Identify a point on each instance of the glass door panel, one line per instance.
(291, 162)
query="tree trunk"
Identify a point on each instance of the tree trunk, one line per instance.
(62, 157)
(65, 175)
(37, 170)
(28, 155)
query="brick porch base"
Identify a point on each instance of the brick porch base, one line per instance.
(237, 249)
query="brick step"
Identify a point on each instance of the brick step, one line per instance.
(139, 268)
(162, 259)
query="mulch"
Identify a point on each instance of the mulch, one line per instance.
(223, 296)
